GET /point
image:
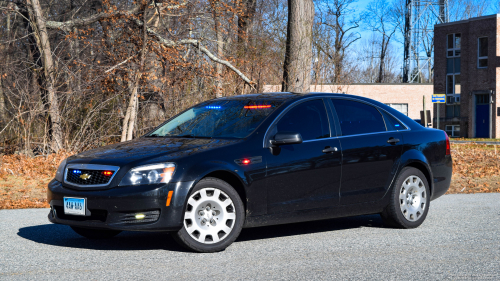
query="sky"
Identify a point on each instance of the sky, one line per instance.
(397, 44)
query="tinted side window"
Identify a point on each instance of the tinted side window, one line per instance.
(308, 118)
(392, 123)
(358, 118)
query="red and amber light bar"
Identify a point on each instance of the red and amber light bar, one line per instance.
(257, 106)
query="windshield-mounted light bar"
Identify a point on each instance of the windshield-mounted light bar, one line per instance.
(213, 107)
(257, 106)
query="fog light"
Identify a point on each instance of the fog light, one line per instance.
(139, 216)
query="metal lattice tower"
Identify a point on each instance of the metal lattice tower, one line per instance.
(420, 17)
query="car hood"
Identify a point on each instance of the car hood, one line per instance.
(146, 150)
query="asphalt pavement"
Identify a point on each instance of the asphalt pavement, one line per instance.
(460, 240)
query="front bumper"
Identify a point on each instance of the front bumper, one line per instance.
(116, 208)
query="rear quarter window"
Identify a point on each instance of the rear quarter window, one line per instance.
(392, 123)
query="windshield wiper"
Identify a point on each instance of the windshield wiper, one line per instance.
(154, 136)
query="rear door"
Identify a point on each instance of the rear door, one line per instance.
(303, 176)
(370, 151)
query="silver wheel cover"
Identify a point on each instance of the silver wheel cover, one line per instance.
(210, 215)
(412, 198)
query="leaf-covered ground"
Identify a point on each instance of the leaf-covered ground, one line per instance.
(476, 168)
(23, 180)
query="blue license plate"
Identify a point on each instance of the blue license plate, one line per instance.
(74, 206)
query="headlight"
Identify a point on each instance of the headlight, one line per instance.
(149, 174)
(60, 171)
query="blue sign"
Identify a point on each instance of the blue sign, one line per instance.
(439, 98)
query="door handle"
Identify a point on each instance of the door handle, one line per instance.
(393, 141)
(329, 149)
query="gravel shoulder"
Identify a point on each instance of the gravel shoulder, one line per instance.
(459, 240)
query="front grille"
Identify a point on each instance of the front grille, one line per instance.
(95, 215)
(149, 216)
(93, 177)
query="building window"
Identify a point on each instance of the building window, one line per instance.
(453, 130)
(453, 64)
(482, 52)
(482, 99)
(452, 111)
(401, 107)
(453, 45)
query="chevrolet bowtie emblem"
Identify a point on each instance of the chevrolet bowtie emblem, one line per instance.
(85, 176)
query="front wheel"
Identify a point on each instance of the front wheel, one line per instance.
(91, 233)
(213, 217)
(410, 200)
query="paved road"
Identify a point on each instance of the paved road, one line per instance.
(459, 240)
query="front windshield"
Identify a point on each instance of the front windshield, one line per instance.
(218, 119)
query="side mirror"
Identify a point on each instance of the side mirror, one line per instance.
(282, 138)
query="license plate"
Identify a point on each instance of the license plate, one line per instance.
(74, 206)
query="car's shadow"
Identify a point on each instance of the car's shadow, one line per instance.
(64, 236)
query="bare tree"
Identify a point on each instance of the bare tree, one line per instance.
(297, 66)
(466, 9)
(335, 32)
(368, 58)
(378, 18)
(43, 43)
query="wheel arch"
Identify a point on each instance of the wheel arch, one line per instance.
(416, 159)
(424, 169)
(232, 180)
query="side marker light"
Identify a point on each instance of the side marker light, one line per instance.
(169, 198)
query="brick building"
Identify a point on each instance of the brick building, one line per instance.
(467, 70)
(407, 98)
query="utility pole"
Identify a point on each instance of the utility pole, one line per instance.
(425, 114)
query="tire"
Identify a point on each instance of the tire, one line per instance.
(92, 233)
(211, 231)
(410, 198)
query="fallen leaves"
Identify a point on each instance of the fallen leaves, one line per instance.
(24, 179)
(476, 168)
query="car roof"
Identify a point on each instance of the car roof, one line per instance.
(290, 96)
(283, 96)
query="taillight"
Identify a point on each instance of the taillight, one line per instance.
(448, 152)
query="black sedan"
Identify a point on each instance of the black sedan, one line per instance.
(255, 160)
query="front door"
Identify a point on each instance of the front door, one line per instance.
(369, 151)
(482, 116)
(302, 176)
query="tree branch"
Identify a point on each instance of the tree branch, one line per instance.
(197, 44)
(68, 25)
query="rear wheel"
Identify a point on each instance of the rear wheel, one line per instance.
(213, 217)
(410, 200)
(91, 233)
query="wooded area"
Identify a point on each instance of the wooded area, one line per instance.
(77, 74)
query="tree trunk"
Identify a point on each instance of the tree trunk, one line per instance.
(245, 20)
(3, 114)
(48, 63)
(298, 56)
(133, 106)
(380, 78)
(220, 48)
